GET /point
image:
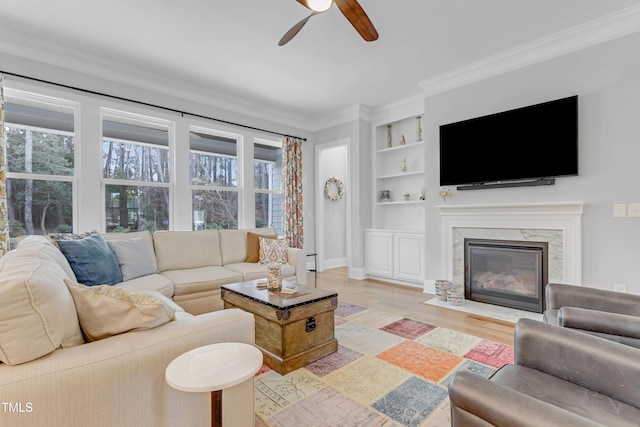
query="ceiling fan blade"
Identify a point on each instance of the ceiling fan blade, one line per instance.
(352, 10)
(304, 3)
(294, 30)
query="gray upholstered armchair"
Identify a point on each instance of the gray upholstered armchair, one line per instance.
(560, 377)
(607, 314)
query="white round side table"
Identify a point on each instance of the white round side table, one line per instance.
(213, 368)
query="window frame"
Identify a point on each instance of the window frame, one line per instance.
(24, 97)
(121, 116)
(269, 191)
(239, 189)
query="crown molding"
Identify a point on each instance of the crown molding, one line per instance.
(30, 48)
(357, 112)
(600, 30)
(401, 109)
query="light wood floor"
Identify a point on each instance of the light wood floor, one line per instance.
(409, 302)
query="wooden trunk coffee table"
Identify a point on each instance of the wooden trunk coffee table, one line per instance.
(291, 330)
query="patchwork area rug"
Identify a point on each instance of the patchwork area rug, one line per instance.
(388, 371)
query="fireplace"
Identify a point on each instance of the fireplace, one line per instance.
(509, 273)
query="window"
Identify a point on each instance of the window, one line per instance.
(136, 174)
(267, 167)
(213, 174)
(40, 159)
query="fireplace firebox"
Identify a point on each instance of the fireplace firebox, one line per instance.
(506, 272)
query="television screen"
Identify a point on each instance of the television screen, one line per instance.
(538, 141)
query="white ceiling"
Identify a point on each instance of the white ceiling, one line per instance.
(226, 50)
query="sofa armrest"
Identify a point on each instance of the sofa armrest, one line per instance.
(559, 295)
(599, 321)
(598, 364)
(120, 380)
(477, 401)
(298, 258)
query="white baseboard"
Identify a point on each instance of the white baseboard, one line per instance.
(334, 263)
(357, 274)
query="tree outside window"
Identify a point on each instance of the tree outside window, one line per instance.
(213, 175)
(40, 157)
(137, 176)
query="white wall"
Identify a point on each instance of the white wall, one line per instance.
(358, 132)
(333, 163)
(606, 78)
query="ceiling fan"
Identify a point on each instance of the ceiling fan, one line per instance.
(351, 9)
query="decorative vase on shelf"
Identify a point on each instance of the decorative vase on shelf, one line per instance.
(403, 141)
(389, 138)
(419, 130)
(403, 165)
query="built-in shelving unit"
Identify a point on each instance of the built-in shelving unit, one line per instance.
(395, 243)
(399, 169)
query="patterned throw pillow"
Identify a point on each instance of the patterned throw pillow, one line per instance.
(105, 310)
(273, 250)
(70, 236)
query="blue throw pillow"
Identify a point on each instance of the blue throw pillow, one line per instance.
(92, 260)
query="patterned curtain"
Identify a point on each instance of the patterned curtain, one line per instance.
(292, 191)
(4, 218)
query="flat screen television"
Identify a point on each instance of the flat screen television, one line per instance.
(530, 144)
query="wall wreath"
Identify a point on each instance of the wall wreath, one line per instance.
(334, 189)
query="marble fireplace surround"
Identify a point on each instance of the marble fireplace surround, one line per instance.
(558, 223)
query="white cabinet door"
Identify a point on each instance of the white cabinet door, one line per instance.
(379, 247)
(408, 250)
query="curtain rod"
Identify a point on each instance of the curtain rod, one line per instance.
(147, 104)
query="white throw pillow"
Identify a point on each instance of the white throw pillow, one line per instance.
(135, 257)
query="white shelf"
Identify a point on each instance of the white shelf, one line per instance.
(400, 147)
(400, 175)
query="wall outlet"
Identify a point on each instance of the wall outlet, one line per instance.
(620, 287)
(620, 210)
(634, 210)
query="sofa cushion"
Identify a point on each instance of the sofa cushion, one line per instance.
(273, 250)
(152, 282)
(91, 260)
(38, 314)
(253, 271)
(177, 250)
(253, 244)
(201, 279)
(47, 247)
(135, 257)
(105, 310)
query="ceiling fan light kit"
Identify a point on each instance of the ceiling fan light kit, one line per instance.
(351, 10)
(319, 5)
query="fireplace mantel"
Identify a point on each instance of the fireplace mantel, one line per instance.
(561, 218)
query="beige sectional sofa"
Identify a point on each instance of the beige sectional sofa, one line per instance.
(50, 377)
(193, 265)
